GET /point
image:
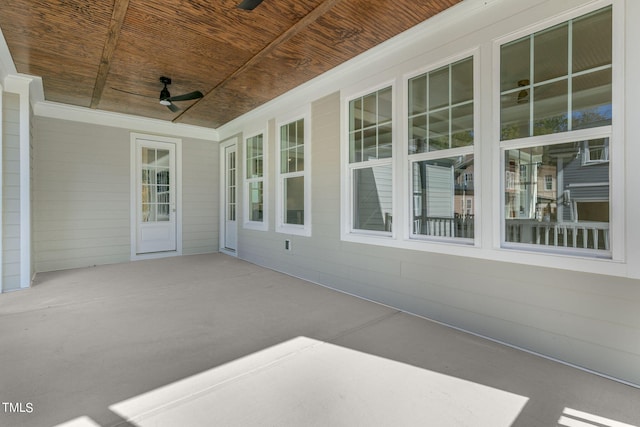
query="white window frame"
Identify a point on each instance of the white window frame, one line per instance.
(366, 164)
(614, 132)
(586, 155)
(445, 153)
(281, 226)
(248, 222)
(488, 153)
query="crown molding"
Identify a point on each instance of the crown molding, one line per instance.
(61, 111)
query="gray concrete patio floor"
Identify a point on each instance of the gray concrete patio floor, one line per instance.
(212, 340)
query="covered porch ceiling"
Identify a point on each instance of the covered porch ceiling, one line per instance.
(109, 55)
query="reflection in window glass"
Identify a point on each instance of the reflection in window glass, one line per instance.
(553, 198)
(370, 119)
(592, 41)
(373, 199)
(567, 87)
(254, 157)
(294, 200)
(591, 98)
(443, 197)
(550, 108)
(255, 201)
(441, 108)
(231, 186)
(372, 186)
(254, 178)
(155, 194)
(292, 147)
(551, 53)
(442, 188)
(291, 180)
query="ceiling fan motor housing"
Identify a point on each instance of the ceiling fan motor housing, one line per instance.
(164, 93)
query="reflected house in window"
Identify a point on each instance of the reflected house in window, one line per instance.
(553, 83)
(373, 189)
(370, 161)
(443, 197)
(441, 152)
(558, 195)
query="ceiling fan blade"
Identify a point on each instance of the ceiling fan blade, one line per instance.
(249, 4)
(173, 108)
(186, 97)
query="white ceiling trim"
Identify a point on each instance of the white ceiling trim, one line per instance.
(60, 111)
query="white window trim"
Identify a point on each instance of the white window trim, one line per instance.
(248, 223)
(487, 151)
(349, 168)
(524, 252)
(281, 226)
(475, 150)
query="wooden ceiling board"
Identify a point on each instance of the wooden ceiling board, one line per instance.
(200, 59)
(69, 28)
(61, 41)
(225, 104)
(109, 54)
(146, 106)
(222, 20)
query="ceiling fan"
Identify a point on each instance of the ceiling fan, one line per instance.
(168, 100)
(523, 95)
(249, 4)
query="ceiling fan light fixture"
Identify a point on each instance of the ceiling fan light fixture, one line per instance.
(167, 100)
(523, 95)
(164, 94)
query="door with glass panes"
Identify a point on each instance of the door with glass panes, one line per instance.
(228, 237)
(156, 198)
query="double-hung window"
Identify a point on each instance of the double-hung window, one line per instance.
(293, 168)
(255, 163)
(441, 148)
(555, 122)
(370, 162)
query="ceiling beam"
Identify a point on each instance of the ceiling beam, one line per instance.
(299, 26)
(117, 19)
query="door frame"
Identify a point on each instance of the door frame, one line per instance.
(133, 207)
(223, 199)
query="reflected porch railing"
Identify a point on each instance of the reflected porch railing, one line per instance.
(580, 234)
(458, 226)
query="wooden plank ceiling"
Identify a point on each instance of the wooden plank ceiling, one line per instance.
(110, 54)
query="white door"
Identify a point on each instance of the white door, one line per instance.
(229, 230)
(156, 197)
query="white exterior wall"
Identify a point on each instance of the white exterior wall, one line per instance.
(11, 192)
(200, 193)
(81, 189)
(582, 311)
(82, 195)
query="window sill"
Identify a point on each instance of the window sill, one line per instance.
(293, 229)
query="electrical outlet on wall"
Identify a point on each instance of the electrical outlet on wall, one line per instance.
(287, 245)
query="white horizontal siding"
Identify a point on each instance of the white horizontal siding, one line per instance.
(586, 319)
(81, 195)
(199, 196)
(82, 203)
(11, 192)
